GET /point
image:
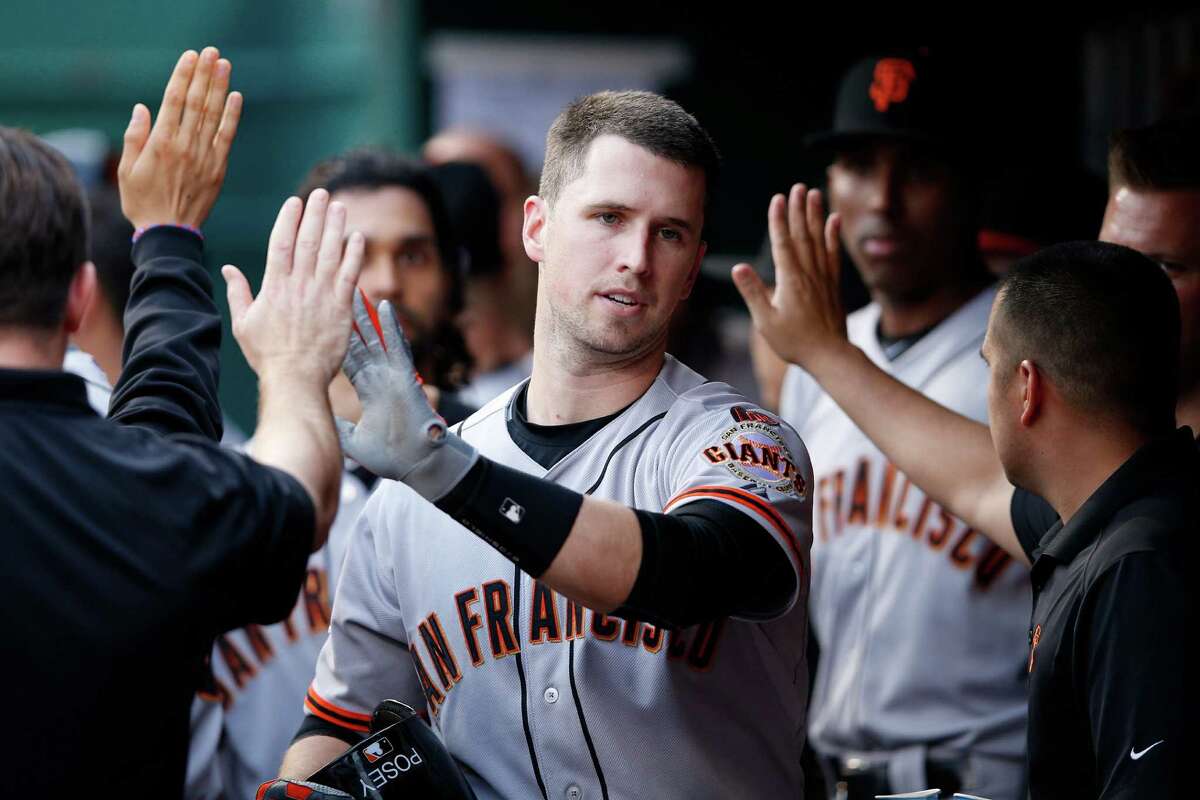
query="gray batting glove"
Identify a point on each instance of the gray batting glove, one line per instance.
(399, 435)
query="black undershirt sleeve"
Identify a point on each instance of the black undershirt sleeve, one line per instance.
(315, 726)
(706, 561)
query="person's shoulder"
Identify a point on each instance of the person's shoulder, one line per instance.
(712, 404)
(1165, 522)
(497, 405)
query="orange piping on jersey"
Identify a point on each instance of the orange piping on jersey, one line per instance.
(335, 714)
(334, 720)
(336, 709)
(747, 500)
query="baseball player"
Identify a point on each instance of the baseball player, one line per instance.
(243, 721)
(920, 620)
(599, 577)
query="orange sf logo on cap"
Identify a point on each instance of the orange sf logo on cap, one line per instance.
(892, 78)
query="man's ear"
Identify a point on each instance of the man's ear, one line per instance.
(1033, 393)
(80, 295)
(695, 271)
(533, 231)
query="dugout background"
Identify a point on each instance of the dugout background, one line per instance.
(320, 77)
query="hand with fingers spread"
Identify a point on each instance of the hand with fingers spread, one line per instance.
(399, 435)
(300, 322)
(802, 319)
(172, 173)
(294, 335)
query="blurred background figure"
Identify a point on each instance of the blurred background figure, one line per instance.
(1154, 207)
(102, 333)
(411, 260)
(95, 350)
(501, 280)
(891, 570)
(498, 341)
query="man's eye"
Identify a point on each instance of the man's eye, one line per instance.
(411, 257)
(609, 218)
(670, 234)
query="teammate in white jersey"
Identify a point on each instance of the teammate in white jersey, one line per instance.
(637, 626)
(920, 620)
(243, 721)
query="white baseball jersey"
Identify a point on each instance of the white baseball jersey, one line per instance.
(921, 621)
(82, 364)
(242, 724)
(99, 393)
(537, 696)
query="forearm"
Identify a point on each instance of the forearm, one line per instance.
(309, 754)
(949, 456)
(600, 558)
(706, 560)
(296, 434)
(585, 548)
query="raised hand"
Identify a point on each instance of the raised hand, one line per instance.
(399, 435)
(172, 174)
(298, 326)
(803, 317)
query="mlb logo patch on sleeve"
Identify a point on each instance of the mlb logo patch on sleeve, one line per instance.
(511, 510)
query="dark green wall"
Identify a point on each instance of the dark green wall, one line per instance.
(318, 77)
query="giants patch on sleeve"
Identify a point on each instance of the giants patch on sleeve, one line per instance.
(754, 451)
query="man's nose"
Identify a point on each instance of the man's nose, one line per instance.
(885, 189)
(381, 281)
(636, 250)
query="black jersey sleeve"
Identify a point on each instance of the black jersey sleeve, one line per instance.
(169, 373)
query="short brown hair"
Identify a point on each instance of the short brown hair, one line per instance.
(646, 119)
(1158, 157)
(43, 230)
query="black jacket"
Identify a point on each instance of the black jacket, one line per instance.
(129, 543)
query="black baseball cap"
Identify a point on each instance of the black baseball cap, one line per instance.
(894, 97)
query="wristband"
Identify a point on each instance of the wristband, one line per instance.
(527, 519)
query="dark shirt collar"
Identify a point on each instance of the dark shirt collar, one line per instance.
(44, 387)
(1154, 462)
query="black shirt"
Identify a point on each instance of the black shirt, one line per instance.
(1111, 703)
(129, 543)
